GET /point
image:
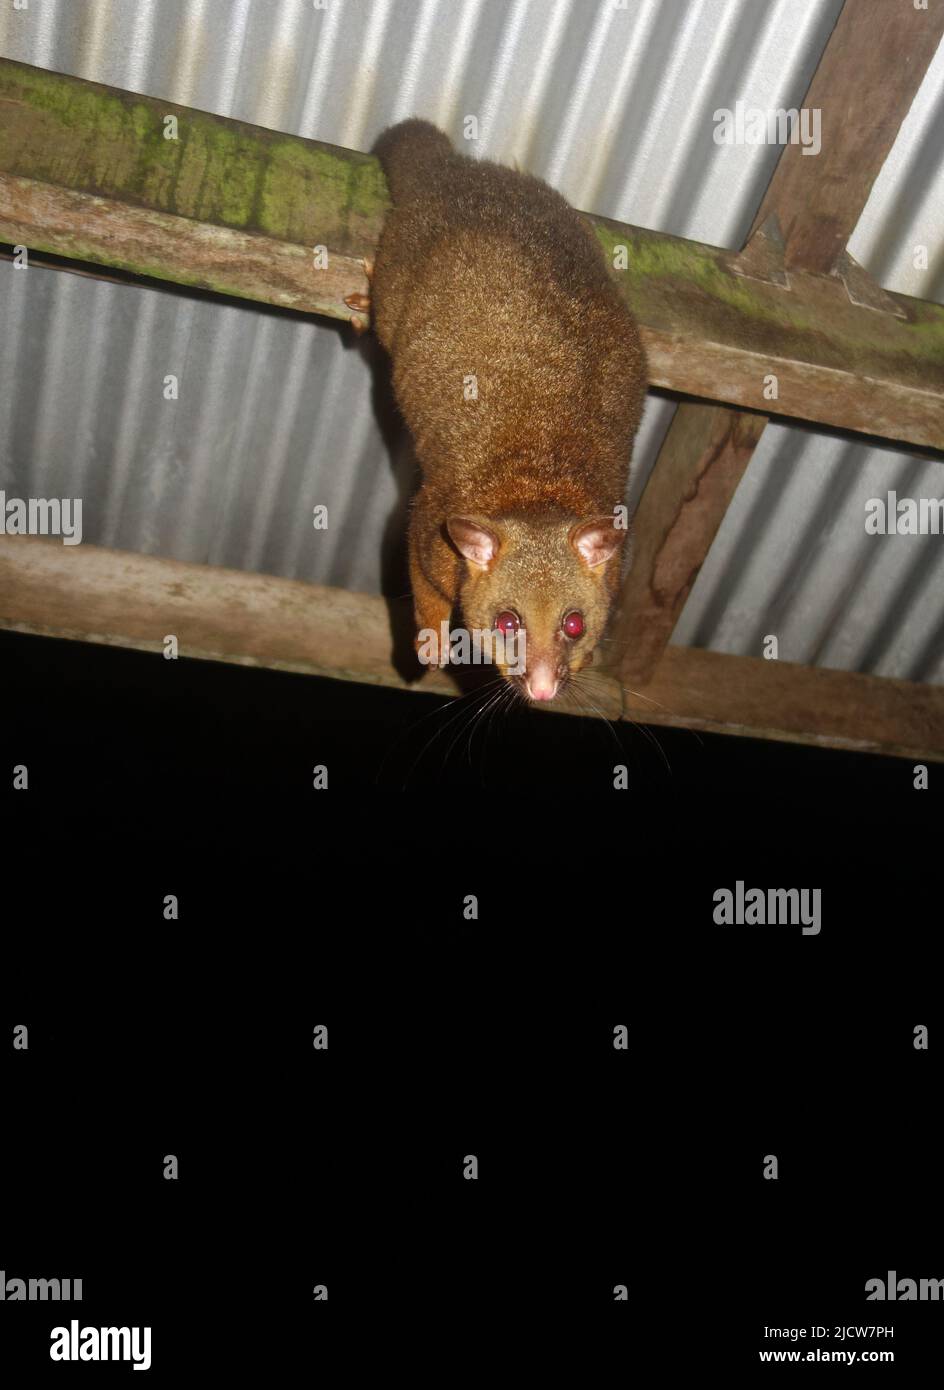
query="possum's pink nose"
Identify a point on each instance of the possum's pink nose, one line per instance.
(541, 683)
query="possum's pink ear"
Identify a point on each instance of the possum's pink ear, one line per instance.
(476, 542)
(597, 541)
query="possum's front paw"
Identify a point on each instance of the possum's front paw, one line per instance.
(360, 303)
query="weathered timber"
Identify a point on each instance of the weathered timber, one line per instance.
(864, 86)
(814, 705)
(85, 172)
(90, 138)
(124, 599)
(89, 228)
(836, 362)
(700, 464)
(130, 600)
(818, 200)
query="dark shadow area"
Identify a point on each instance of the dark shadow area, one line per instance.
(298, 910)
(105, 727)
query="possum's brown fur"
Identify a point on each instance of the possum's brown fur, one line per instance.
(485, 272)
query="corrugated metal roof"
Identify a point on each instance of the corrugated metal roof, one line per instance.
(614, 106)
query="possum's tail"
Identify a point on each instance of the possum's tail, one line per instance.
(407, 152)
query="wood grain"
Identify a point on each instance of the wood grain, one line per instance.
(864, 86)
(127, 600)
(700, 464)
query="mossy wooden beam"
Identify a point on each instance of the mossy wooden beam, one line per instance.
(701, 461)
(128, 600)
(86, 173)
(809, 211)
(715, 333)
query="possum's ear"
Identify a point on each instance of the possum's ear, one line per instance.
(472, 539)
(597, 541)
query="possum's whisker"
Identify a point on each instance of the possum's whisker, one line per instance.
(648, 733)
(474, 715)
(639, 696)
(502, 698)
(437, 710)
(694, 732)
(503, 702)
(458, 713)
(575, 686)
(642, 728)
(601, 675)
(462, 708)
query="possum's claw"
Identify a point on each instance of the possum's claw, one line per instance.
(360, 303)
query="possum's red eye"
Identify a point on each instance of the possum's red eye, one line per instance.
(508, 622)
(573, 623)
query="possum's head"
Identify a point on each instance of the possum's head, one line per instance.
(551, 578)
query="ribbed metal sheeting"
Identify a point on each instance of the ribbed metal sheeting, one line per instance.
(611, 103)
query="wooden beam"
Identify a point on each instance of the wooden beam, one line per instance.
(124, 599)
(864, 86)
(814, 705)
(699, 466)
(816, 202)
(85, 172)
(130, 600)
(144, 241)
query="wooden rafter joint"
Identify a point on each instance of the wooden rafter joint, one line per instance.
(763, 256)
(863, 290)
(124, 599)
(763, 259)
(87, 173)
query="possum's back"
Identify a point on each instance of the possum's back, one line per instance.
(489, 289)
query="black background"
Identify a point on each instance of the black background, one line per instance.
(448, 1037)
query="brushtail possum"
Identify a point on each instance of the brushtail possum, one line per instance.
(521, 375)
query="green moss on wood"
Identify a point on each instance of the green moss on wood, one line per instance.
(655, 261)
(94, 139)
(680, 286)
(91, 139)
